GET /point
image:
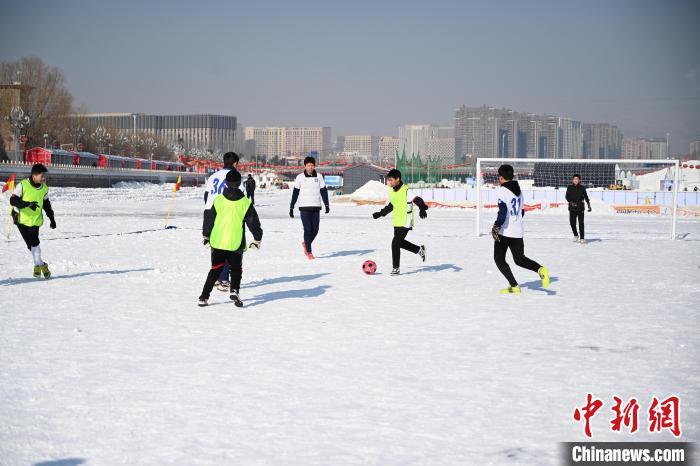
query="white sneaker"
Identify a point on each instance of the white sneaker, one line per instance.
(222, 286)
(575, 239)
(395, 272)
(582, 241)
(202, 302)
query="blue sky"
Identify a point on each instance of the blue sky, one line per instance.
(366, 66)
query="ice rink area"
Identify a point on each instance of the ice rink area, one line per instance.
(112, 362)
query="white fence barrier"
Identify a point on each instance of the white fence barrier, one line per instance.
(555, 196)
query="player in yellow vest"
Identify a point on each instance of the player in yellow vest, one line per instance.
(28, 200)
(224, 231)
(403, 218)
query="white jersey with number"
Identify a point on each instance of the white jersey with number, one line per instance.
(309, 190)
(216, 184)
(513, 226)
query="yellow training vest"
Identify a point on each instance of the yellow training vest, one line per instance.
(403, 210)
(227, 233)
(27, 216)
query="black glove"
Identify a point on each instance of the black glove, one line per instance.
(423, 213)
(589, 207)
(494, 232)
(254, 245)
(33, 205)
(205, 241)
(376, 215)
(52, 225)
(291, 212)
(328, 209)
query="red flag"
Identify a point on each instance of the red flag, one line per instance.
(10, 185)
(176, 188)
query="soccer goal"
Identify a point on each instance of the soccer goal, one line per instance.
(644, 192)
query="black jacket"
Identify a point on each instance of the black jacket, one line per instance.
(251, 218)
(249, 185)
(575, 195)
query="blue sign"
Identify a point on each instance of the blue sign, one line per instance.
(333, 181)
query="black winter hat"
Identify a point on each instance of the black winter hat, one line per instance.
(233, 178)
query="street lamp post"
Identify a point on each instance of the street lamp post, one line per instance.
(101, 136)
(18, 120)
(46, 140)
(151, 145)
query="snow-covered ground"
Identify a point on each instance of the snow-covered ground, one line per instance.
(112, 362)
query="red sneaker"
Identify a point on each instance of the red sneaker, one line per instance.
(310, 256)
(303, 246)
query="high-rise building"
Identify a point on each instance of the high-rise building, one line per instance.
(364, 146)
(389, 146)
(268, 142)
(695, 149)
(644, 148)
(416, 137)
(441, 149)
(601, 141)
(570, 139)
(301, 141)
(205, 132)
(491, 132)
(658, 148)
(290, 142)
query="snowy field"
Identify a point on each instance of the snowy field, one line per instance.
(111, 361)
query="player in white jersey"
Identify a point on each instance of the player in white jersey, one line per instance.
(508, 231)
(310, 190)
(216, 183)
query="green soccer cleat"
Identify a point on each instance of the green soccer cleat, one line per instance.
(544, 275)
(45, 270)
(37, 271)
(511, 289)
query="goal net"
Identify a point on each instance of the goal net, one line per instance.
(629, 198)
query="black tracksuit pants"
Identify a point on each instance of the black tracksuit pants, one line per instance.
(398, 243)
(251, 196)
(517, 248)
(219, 257)
(30, 235)
(311, 220)
(573, 216)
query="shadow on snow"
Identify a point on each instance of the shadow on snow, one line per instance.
(19, 281)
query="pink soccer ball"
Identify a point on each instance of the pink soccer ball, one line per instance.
(369, 267)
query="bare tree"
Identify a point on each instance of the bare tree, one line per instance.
(49, 102)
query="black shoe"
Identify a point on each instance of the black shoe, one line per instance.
(395, 271)
(421, 252)
(203, 302)
(236, 300)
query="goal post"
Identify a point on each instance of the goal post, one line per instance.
(622, 185)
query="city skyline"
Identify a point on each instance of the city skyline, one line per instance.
(632, 65)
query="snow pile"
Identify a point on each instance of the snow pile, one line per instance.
(652, 181)
(371, 191)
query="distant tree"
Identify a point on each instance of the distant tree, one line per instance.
(49, 102)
